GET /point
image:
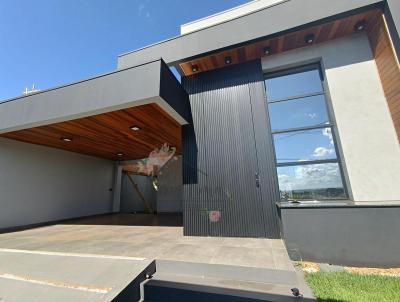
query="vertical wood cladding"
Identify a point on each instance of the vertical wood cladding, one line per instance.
(388, 67)
(227, 145)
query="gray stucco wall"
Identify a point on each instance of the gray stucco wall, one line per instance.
(394, 6)
(367, 137)
(356, 236)
(392, 15)
(40, 184)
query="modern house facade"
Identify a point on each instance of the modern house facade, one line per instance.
(286, 123)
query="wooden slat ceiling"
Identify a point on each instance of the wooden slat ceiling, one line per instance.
(108, 134)
(323, 32)
(388, 67)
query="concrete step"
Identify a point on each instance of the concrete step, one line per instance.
(230, 272)
(168, 287)
(189, 281)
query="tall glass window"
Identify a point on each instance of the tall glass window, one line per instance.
(307, 160)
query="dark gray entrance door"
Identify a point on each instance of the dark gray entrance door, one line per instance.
(229, 186)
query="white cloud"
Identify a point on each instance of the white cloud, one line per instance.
(322, 152)
(328, 133)
(312, 115)
(141, 7)
(309, 177)
(142, 11)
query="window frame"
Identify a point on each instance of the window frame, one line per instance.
(331, 122)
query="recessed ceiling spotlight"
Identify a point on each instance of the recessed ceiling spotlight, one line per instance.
(66, 139)
(135, 128)
(360, 25)
(309, 39)
(228, 60)
(120, 154)
(267, 50)
(195, 68)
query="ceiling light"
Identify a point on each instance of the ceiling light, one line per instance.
(135, 128)
(120, 154)
(228, 60)
(360, 25)
(195, 68)
(66, 139)
(267, 50)
(309, 39)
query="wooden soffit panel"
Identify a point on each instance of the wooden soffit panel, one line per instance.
(279, 44)
(109, 135)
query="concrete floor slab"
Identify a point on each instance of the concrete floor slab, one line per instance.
(94, 235)
(16, 291)
(110, 238)
(65, 277)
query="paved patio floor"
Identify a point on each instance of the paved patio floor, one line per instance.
(118, 235)
(92, 259)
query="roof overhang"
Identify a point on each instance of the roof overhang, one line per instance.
(282, 17)
(97, 113)
(142, 84)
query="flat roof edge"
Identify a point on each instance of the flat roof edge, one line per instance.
(78, 82)
(230, 10)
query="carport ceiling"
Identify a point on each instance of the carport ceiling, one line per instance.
(109, 134)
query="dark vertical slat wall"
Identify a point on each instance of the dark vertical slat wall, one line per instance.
(227, 144)
(269, 187)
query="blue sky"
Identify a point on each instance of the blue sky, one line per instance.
(52, 42)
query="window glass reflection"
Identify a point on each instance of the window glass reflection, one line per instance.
(293, 85)
(311, 182)
(304, 112)
(307, 145)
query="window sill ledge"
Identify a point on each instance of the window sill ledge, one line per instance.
(336, 204)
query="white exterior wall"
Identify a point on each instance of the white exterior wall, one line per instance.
(368, 141)
(41, 184)
(227, 15)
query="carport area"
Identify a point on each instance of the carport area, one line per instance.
(62, 149)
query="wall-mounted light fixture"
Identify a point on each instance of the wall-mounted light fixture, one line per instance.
(228, 60)
(135, 128)
(360, 25)
(195, 68)
(309, 39)
(267, 50)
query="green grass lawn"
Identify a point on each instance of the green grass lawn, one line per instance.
(343, 286)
